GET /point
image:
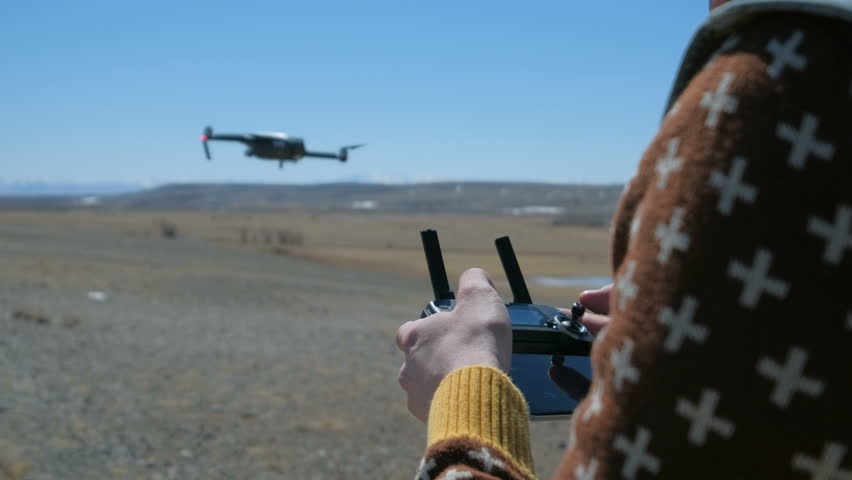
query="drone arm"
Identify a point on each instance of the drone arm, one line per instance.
(231, 138)
(322, 155)
(342, 155)
(209, 135)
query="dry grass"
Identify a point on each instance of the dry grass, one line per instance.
(31, 314)
(70, 320)
(13, 466)
(386, 243)
(317, 366)
(37, 316)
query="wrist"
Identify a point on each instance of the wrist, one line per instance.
(476, 359)
(482, 403)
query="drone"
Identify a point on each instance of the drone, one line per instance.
(273, 146)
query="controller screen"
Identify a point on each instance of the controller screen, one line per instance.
(527, 315)
(552, 385)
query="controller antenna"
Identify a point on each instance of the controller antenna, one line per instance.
(513, 271)
(435, 262)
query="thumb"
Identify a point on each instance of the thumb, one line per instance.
(476, 287)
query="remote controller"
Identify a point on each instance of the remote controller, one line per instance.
(536, 329)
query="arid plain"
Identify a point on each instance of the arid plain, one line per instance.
(187, 344)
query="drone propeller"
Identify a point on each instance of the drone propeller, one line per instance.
(344, 151)
(208, 132)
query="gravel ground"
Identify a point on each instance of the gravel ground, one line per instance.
(202, 362)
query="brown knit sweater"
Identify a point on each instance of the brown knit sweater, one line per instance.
(729, 354)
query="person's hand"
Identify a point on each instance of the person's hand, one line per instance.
(596, 302)
(477, 332)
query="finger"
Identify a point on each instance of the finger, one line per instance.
(476, 286)
(406, 336)
(594, 322)
(402, 378)
(597, 300)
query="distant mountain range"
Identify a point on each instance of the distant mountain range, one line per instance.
(41, 188)
(568, 203)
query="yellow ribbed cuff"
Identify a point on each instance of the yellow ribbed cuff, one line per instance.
(482, 402)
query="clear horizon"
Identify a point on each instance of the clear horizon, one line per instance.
(25, 188)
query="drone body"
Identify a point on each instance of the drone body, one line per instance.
(273, 146)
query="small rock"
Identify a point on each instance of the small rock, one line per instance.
(97, 296)
(186, 453)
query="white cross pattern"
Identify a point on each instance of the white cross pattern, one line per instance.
(838, 236)
(757, 280)
(625, 286)
(681, 326)
(456, 475)
(601, 335)
(622, 368)
(719, 101)
(668, 163)
(636, 223)
(827, 467)
(702, 417)
(804, 141)
(731, 186)
(423, 470)
(670, 236)
(729, 43)
(587, 472)
(627, 187)
(596, 404)
(789, 378)
(673, 111)
(636, 459)
(572, 435)
(487, 460)
(784, 54)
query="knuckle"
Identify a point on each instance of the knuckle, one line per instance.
(474, 283)
(474, 275)
(402, 378)
(476, 290)
(475, 271)
(406, 336)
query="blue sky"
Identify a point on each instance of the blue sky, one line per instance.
(559, 91)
